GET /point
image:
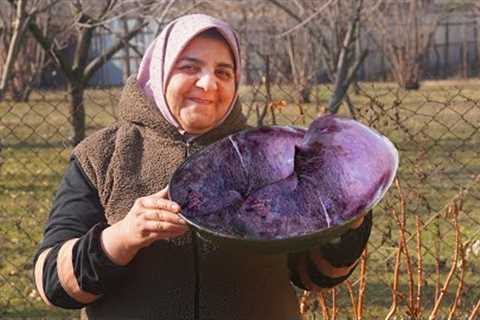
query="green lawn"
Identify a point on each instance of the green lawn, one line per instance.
(436, 130)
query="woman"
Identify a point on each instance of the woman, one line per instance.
(114, 243)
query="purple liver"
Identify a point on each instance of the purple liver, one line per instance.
(281, 182)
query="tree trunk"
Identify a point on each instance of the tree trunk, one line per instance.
(304, 94)
(21, 93)
(126, 58)
(411, 85)
(476, 61)
(411, 77)
(446, 50)
(18, 35)
(77, 111)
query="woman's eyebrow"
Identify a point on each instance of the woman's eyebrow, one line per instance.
(201, 62)
(226, 65)
(195, 60)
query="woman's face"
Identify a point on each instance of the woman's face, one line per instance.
(201, 85)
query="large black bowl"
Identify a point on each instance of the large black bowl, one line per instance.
(341, 170)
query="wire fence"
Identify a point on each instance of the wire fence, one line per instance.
(424, 252)
(436, 130)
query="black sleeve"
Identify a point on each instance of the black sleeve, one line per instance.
(342, 252)
(77, 213)
(349, 247)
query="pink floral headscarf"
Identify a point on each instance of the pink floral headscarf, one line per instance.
(163, 52)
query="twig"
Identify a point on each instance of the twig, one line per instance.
(456, 302)
(401, 223)
(434, 312)
(461, 283)
(334, 303)
(323, 305)
(437, 260)
(348, 284)
(396, 272)
(418, 307)
(362, 284)
(474, 312)
(304, 301)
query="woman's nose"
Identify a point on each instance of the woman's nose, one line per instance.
(207, 82)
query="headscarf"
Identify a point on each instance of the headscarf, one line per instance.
(163, 52)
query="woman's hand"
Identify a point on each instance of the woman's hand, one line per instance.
(151, 218)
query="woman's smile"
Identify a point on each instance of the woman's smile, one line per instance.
(200, 100)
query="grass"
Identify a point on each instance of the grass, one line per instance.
(436, 130)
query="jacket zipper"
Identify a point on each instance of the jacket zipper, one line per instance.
(187, 149)
(196, 258)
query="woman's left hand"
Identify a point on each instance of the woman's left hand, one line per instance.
(150, 219)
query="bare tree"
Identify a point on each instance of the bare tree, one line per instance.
(332, 28)
(80, 20)
(403, 30)
(18, 30)
(300, 50)
(301, 43)
(22, 62)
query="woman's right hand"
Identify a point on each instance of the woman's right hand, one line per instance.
(151, 218)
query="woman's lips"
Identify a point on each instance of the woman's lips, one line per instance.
(201, 100)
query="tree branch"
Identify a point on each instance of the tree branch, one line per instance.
(49, 5)
(49, 47)
(108, 7)
(307, 20)
(342, 79)
(83, 42)
(20, 23)
(99, 61)
(297, 18)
